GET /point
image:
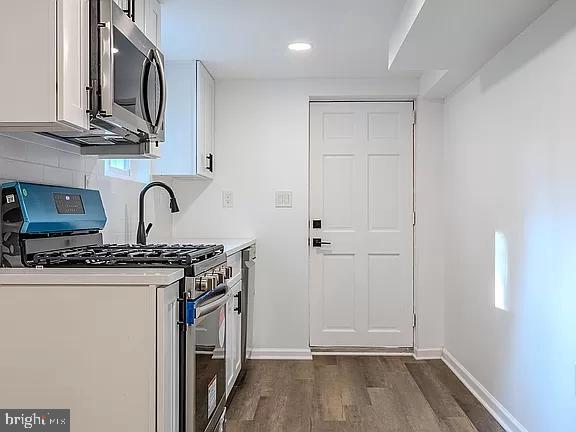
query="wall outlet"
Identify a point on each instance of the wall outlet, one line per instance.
(283, 199)
(227, 199)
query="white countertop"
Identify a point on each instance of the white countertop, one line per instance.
(231, 245)
(89, 276)
(114, 276)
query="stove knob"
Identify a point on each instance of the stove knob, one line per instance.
(211, 282)
(220, 275)
(228, 272)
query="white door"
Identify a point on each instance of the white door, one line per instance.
(361, 163)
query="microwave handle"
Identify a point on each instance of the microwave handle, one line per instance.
(162, 77)
(106, 67)
(153, 58)
(143, 89)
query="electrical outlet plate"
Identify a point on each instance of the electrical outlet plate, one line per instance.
(283, 199)
(227, 199)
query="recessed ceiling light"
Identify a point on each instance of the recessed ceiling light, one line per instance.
(299, 46)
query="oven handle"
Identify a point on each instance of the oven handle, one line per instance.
(212, 303)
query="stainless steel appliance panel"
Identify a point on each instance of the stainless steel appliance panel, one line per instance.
(204, 363)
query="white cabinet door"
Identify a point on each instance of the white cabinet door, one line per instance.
(233, 337)
(237, 318)
(73, 62)
(189, 143)
(179, 147)
(167, 352)
(230, 345)
(205, 121)
(45, 83)
(153, 20)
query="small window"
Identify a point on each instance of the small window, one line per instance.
(500, 271)
(128, 169)
(118, 167)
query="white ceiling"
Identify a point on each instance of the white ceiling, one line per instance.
(249, 38)
(452, 39)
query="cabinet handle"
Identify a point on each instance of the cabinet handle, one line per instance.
(239, 307)
(130, 10)
(210, 166)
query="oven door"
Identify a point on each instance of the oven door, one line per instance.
(132, 79)
(204, 363)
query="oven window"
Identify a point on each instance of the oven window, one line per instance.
(210, 366)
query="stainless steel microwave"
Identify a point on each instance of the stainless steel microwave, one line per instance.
(127, 88)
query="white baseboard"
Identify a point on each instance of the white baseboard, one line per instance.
(428, 353)
(280, 354)
(362, 353)
(501, 414)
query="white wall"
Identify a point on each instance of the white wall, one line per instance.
(510, 167)
(261, 147)
(429, 232)
(27, 161)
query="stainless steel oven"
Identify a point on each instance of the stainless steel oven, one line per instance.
(127, 88)
(203, 362)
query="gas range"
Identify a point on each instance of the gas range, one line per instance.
(194, 259)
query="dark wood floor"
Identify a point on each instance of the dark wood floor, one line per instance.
(355, 394)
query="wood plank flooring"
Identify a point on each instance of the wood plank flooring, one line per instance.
(355, 394)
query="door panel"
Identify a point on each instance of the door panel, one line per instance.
(338, 278)
(361, 163)
(383, 186)
(338, 172)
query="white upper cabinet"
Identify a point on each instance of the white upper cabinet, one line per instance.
(153, 21)
(189, 146)
(205, 121)
(46, 73)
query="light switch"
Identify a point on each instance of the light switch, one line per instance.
(283, 199)
(227, 199)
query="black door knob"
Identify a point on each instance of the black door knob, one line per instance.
(317, 242)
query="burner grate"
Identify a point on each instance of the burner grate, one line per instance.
(181, 255)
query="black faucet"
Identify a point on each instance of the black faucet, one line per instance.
(143, 232)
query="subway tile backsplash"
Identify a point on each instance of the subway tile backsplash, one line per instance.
(32, 162)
